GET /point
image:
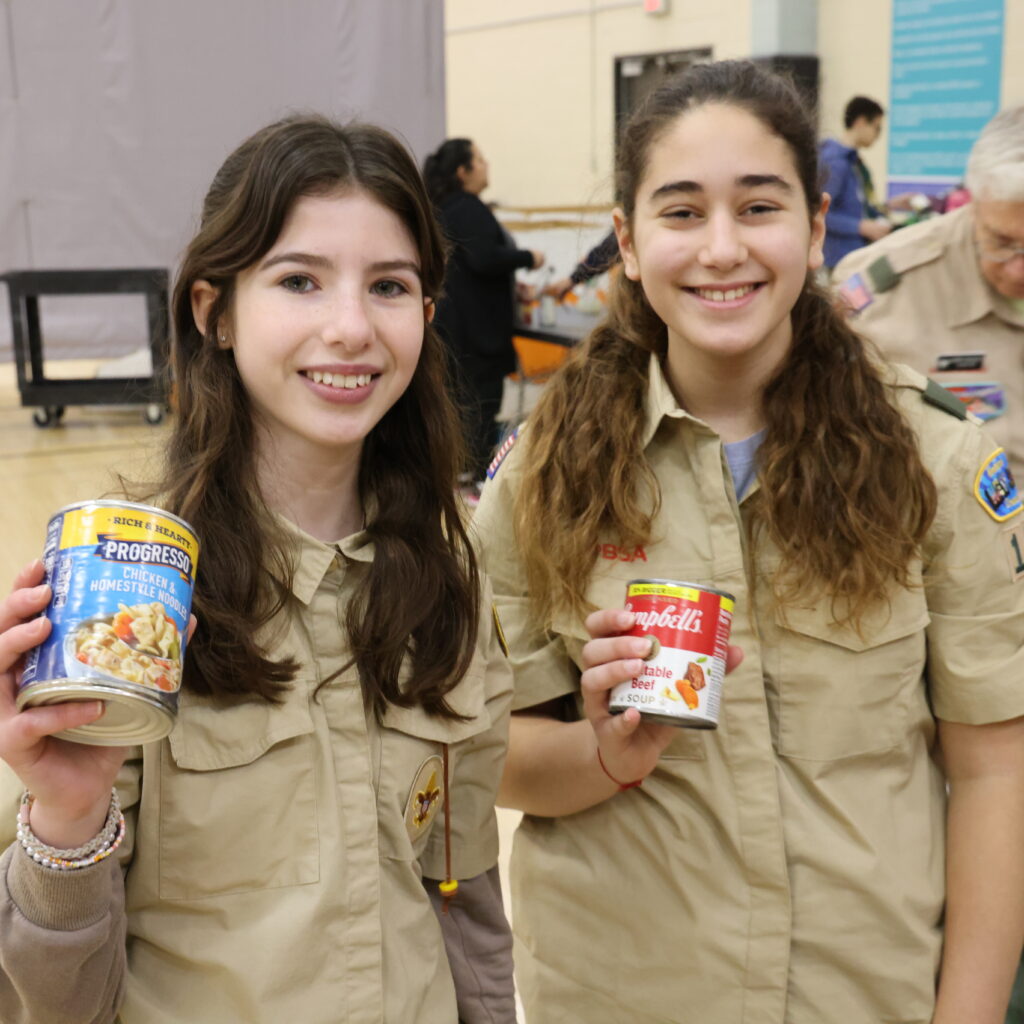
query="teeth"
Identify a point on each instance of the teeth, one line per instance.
(716, 295)
(340, 380)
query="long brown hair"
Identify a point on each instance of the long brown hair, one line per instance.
(421, 597)
(844, 495)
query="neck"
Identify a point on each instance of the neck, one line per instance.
(849, 139)
(318, 492)
(726, 394)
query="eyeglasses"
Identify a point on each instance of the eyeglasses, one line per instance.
(998, 253)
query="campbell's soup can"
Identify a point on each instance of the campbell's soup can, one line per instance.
(681, 682)
(122, 576)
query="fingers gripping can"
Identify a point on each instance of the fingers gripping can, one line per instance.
(681, 682)
(122, 576)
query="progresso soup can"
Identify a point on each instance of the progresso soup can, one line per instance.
(122, 576)
(681, 682)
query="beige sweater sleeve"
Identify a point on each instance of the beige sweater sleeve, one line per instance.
(62, 942)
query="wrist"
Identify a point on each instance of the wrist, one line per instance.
(99, 847)
(59, 829)
(618, 782)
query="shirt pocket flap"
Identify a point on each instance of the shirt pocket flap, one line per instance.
(466, 699)
(882, 625)
(208, 738)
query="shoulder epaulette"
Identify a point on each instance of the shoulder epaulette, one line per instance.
(883, 276)
(937, 395)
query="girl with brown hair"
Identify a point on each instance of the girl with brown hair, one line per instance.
(802, 864)
(344, 713)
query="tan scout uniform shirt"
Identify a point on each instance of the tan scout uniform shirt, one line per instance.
(788, 867)
(942, 305)
(273, 871)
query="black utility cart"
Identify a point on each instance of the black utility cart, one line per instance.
(51, 396)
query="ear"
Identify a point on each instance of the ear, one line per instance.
(429, 309)
(622, 232)
(816, 251)
(203, 295)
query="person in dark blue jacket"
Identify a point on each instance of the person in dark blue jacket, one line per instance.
(853, 218)
(476, 312)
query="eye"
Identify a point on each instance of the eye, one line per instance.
(297, 283)
(389, 288)
(681, 214)
(759, 209)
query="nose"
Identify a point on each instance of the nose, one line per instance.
(722, 246)
(347, 323)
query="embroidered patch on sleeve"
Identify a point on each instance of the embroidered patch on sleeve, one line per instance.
(855, 294)
(425, 796)
(1015, 552)
(499, 456)
(995, 489)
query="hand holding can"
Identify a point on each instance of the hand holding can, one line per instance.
(71, 783)
(680, 682)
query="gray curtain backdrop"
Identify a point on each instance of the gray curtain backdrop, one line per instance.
(115, 114)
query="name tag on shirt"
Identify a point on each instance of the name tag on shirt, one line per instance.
(960, 361)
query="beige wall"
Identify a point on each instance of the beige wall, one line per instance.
(535, 87)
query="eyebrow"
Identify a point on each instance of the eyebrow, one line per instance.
(744, 181)
(323, 263)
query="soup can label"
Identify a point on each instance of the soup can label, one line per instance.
(681, 681)
(122, 576)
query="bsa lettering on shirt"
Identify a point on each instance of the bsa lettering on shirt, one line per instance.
(613, 553)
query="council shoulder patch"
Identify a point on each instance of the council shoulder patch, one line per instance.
(855, 294)
(499, 455)
(425, 796)
(995, 489)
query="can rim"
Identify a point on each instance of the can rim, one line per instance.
(683, 583)
(136, 505)
(156, 722)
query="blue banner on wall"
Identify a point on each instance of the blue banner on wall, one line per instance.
(947, 66)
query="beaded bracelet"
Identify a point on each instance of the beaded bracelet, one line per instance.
(621, 785)
(97, 849)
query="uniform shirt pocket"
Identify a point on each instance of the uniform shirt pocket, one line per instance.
(238, 799)
(410, 792)
(841, 693)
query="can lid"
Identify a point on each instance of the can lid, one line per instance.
(129, 717)
(134, 506)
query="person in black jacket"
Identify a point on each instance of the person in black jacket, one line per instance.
(475, 314)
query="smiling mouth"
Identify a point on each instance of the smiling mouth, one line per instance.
(342, 381)
(725, 294)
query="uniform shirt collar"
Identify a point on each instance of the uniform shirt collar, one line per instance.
(660, 402)
(313, 558)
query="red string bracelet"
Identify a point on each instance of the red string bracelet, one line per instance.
(621, 785)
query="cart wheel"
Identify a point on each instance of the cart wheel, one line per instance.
(154, 414)
(48, 416)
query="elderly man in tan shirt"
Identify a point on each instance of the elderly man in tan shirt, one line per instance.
(947, 296)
